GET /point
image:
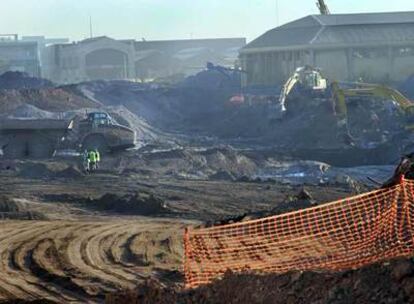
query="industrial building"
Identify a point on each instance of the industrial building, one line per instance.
(18, 55)
(89, 59)
(374, 47)
(163, 58)
(106, 58)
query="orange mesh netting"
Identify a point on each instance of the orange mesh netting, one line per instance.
(344, 234)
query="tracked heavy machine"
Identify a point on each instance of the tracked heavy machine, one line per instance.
(309, 82)
(305, 81)
(41, 138)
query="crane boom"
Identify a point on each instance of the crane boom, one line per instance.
(323, 8)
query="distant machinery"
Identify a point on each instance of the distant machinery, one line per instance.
(323, 8)
(40, 138)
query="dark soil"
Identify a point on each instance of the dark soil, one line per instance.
(140, 203)
(378, 283)
(19, 80)
(12, 210)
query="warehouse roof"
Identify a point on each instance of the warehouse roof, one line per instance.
(320, 30)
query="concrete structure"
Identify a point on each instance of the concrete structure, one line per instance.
(89, 59)
(188, 56)
(18, 55)
(377, 47)
(106, 58)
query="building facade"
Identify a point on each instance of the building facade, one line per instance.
(18, 55)
(105, 58)
(374, 47)
(100, 58)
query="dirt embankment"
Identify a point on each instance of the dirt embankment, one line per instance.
(17, 89)
(379, 283)
(12, 209)
(50, 99)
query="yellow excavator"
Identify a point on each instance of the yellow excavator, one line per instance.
(323, 8)
(366, 90)
(310, 82)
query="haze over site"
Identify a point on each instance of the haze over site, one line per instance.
(168, 19)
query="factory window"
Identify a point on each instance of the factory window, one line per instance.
(405, 51)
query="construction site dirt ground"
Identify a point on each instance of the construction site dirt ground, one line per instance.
(71, 245)
(70, 237)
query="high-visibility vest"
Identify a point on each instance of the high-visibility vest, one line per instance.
(92, 156)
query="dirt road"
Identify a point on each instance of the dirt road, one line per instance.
(81, 261)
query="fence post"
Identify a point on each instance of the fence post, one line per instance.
(186, 257)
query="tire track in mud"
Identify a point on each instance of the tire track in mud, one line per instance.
(78, 262)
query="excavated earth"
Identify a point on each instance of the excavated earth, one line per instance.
(380, 283)
(67, 237)
(100, 234)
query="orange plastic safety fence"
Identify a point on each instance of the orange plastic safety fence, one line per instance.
(341, 235)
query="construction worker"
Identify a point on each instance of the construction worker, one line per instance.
(85, 161)
(98, 158)
(92, 160)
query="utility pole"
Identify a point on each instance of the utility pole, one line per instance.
(90, 27)
(277, 12)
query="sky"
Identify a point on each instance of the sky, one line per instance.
(168, 19)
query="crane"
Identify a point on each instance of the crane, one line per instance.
(323, 8)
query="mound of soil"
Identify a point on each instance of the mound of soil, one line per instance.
(12, 210)
(378, 283)
(9, 205)
(70, 172)
(222, 175)
(30, 111)
(141, 203)
(18, 301)
(27, 215)
(302, 200)
(20, 80)
(35, 170)
(48, 99)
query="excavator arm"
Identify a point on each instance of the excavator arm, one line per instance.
(339, 96)
(287, 88)
(323, 8)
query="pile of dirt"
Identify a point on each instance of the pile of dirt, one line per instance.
(379, 283)
(216, 163)
(222, 175)
(48, 170)
(9, 205)
(302, 200)
(140, 203)
(41, 301)
(35, 170)
(13, 210)
(200, 110)
(48, 99)
(30, 111)
(70, 172)
(20, 80)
